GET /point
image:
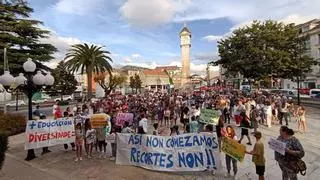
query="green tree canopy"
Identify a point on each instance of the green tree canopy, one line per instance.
(21, 36)
(138, 82)
(264, 49)
(88, 60)
(110, 84)
(64, 82)
(135, 82)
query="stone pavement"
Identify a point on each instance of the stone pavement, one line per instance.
(59, 164)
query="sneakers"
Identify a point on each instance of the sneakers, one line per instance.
(227, 175)
(76, 160)
(112, 158)
(81, 159)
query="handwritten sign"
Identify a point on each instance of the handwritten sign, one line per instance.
(44, 133)
(99, 120)
(277, 146)
(209, 116)
(186, 152)
(233, 148)
(123, 117)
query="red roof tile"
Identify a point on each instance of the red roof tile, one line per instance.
(154, 72)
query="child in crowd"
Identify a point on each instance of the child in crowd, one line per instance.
(114, 131)
(90, 140)
(155, 129)
(79, 141)
(258, 156)
(230, 133)
(101, 139)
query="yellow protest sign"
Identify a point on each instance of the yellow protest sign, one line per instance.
(233, 148)
(99, 120)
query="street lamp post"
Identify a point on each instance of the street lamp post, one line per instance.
(29, 85)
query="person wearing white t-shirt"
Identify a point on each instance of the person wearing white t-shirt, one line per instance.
(144, 123)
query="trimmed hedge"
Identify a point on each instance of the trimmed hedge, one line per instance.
(3, 146)
(63, 103)
(12, 124)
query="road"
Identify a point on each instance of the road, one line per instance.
(45, 110)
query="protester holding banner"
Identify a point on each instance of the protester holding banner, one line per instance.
(258, 155)
(219, 128)
(230, 133)
(294, 152)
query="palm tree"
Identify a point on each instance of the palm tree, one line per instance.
(88, 59)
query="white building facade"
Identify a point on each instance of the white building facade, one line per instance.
(312, 29)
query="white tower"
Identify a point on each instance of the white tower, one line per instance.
(185, 44)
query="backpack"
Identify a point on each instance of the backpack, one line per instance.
(298, 166)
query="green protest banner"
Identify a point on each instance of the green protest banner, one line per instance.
(209, 116)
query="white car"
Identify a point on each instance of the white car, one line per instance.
(64, 97)
(14, 103)
(39, 101)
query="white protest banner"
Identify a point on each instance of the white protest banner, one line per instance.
(277, 146)
(44, 133)
(186, 152)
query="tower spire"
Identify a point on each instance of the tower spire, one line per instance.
(185, 19)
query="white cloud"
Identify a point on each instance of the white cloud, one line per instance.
(136, 55)
(61, 43)
(212, 38)
(297, 19)
(127, 59)
(78, 7)
(148, 12)
(156, 12)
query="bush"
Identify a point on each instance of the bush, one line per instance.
(3, 146)
(12, 124)
(63, 103)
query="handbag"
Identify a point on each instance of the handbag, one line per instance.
(298, 166)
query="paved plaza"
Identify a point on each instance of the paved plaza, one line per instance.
(59, 164)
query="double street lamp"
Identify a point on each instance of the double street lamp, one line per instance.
(29, 85)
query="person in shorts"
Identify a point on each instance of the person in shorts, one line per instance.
(258, 156)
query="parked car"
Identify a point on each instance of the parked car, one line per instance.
(38, 101)
(314, 92)
(317, 96)
(14, 103)
(64, 97)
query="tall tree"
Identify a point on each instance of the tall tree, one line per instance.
(65, 83)
(110, 84)
(132, 83)
(138, 82)
(264, 49)
(88, 59)
(21, 36)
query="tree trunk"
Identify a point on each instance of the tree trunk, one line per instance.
(89, 80)
(298, 89)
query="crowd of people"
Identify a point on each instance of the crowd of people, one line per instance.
(179, 112)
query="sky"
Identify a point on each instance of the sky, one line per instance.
(146, 32)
